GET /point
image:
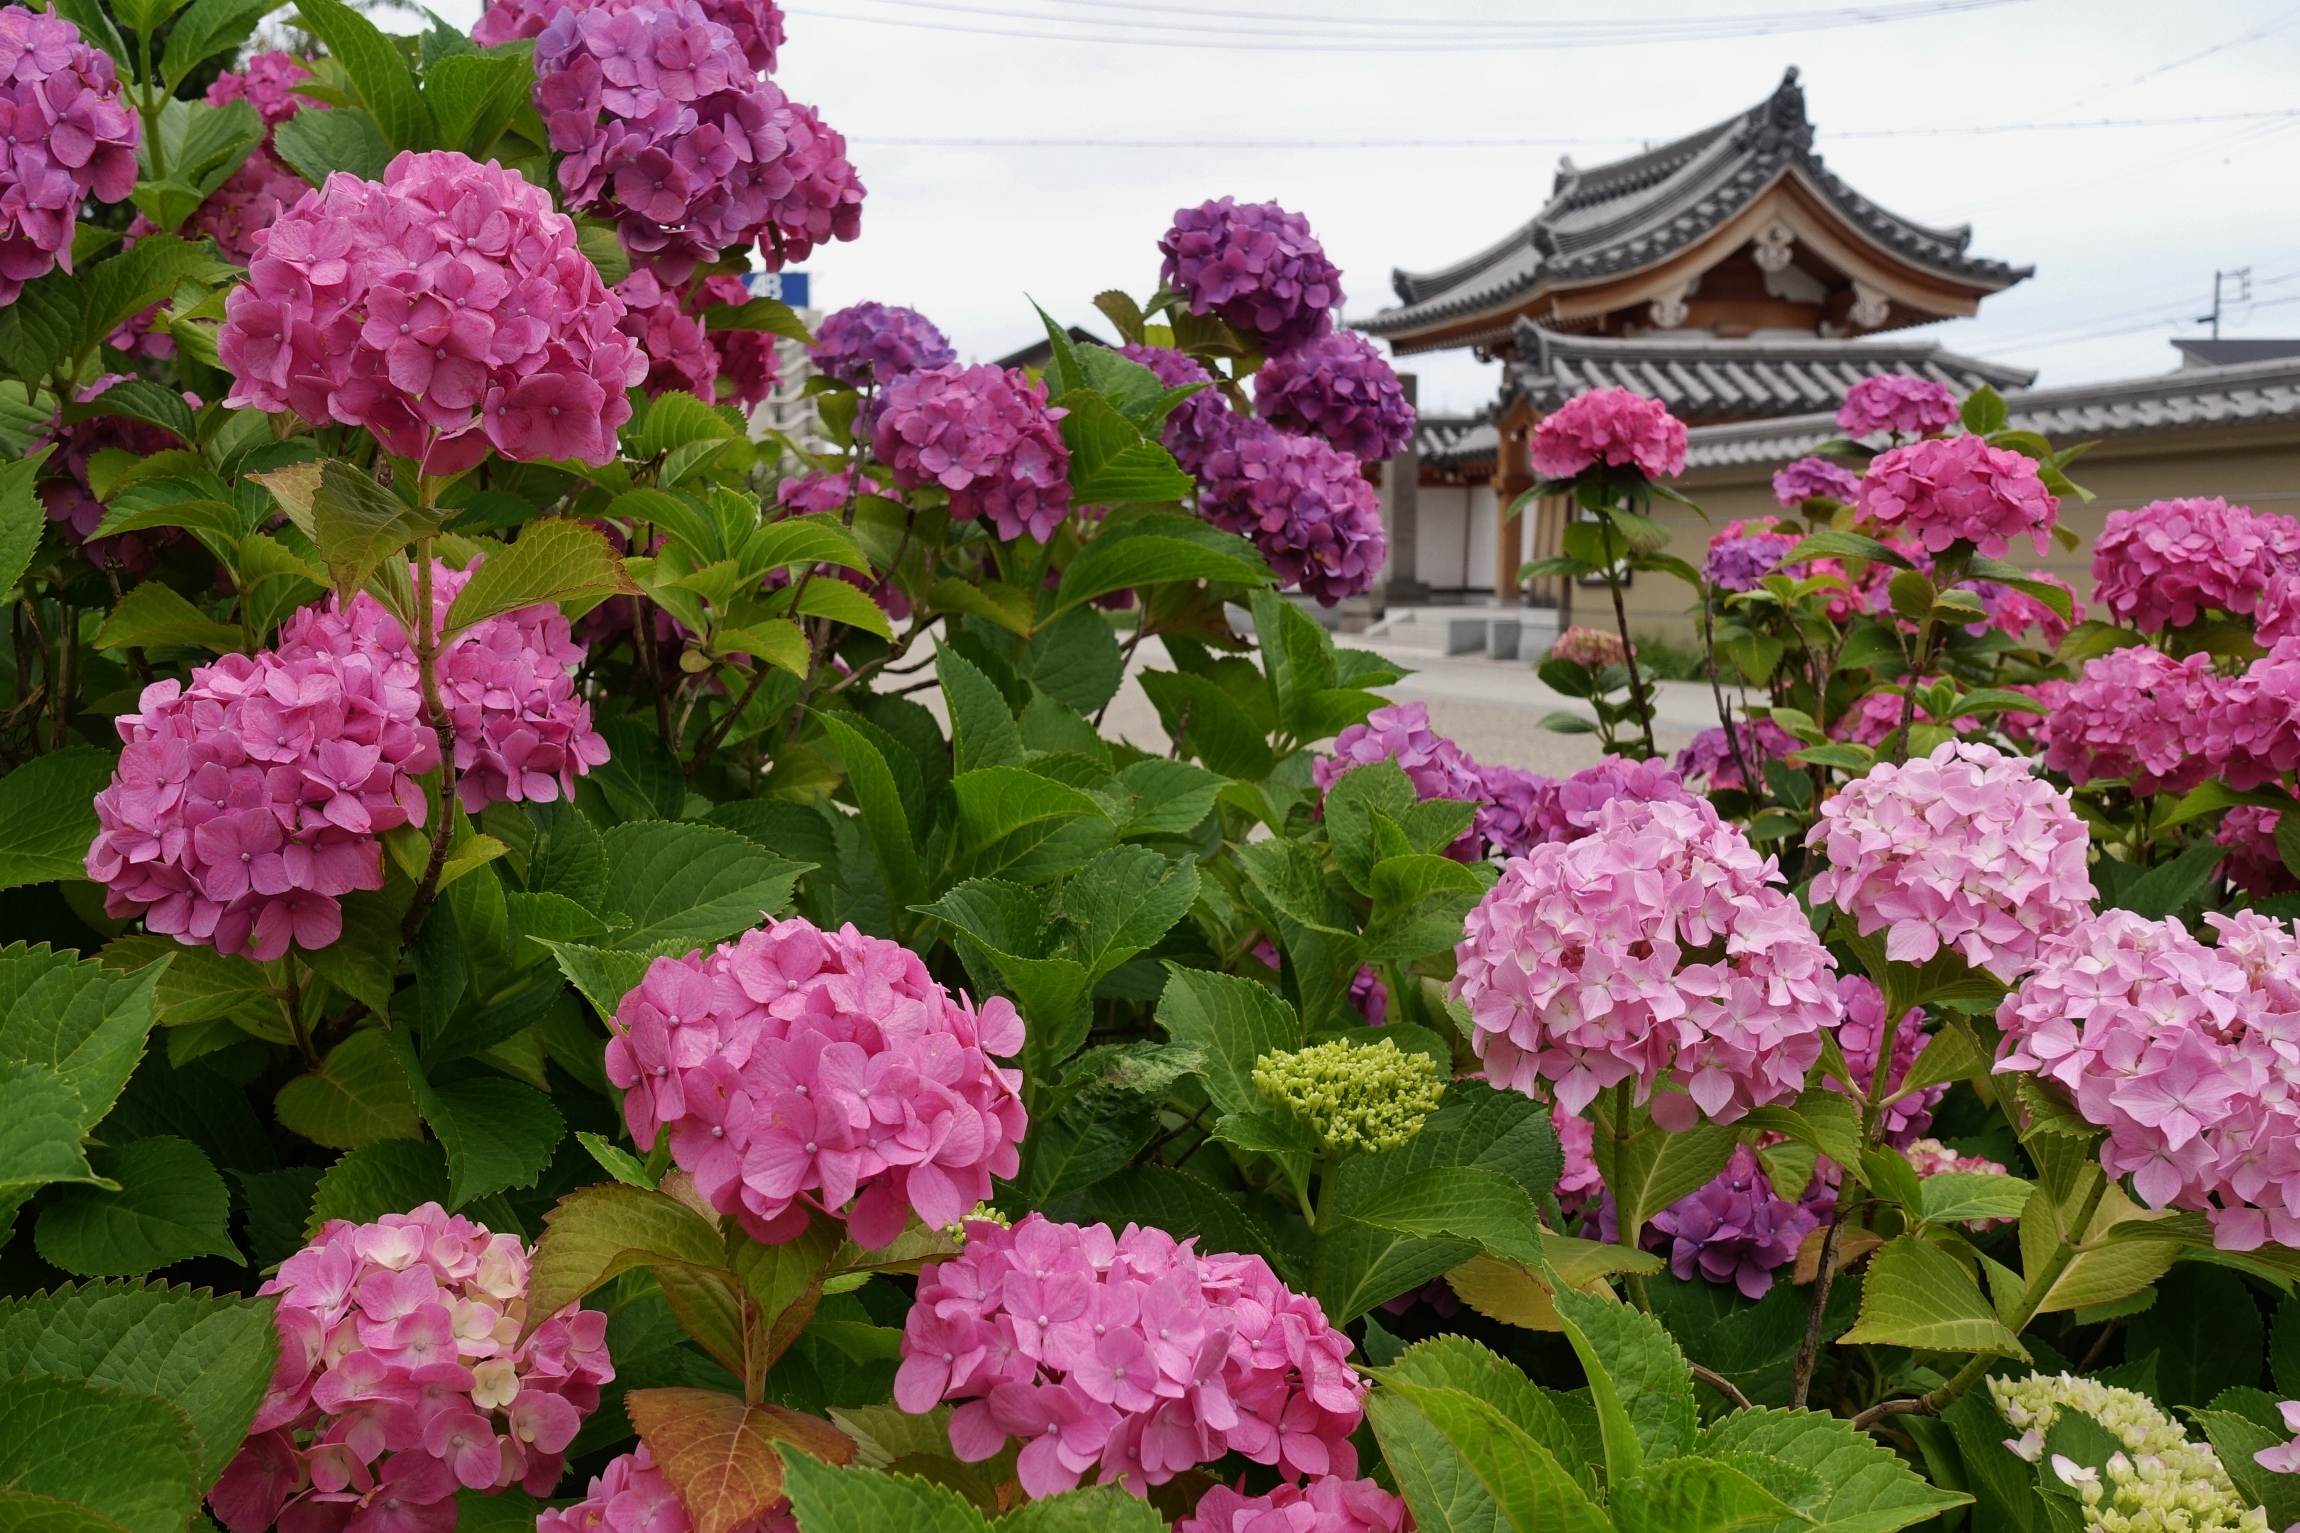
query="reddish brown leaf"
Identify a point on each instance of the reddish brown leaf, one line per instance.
(720, 1456)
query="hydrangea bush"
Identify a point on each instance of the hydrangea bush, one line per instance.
(574, 959)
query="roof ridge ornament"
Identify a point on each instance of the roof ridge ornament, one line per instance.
(1779, 126)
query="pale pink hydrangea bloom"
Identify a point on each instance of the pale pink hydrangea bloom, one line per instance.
(1580, 1181)
(2276, 615)
(67, 135)
(2135, 713)
(247, 803)
(1897, 403)
(2284, 1458)
(800, 1070)
(1329, 1504)
(1609, 426)
(2163, 565)
(1401, 733)
(448, 310)
(1965, 849)
(1573, 968)
(2181, 1051)
(631, 1495)
(1131, 1355)
(987, 435)
(266, 82)
(1858, 1037)
(1596, 648)
(1569, 807)
(402, 1377)
(1930, 1157)
(1946, 490)
(2251, 732)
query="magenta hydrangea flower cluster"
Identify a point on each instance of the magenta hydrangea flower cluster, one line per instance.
(1580, 1182)
(1878, 715)
(2253, 863)
(68, 136)
(1401, 733)
(402, 1377)
(1899, 404)
(1328, 1504)
(67, 498)
(1733, 1229)
(1946, 490)
(632, 1495)
(665, 320)
(867, 343)
(1815, 479)
(2177, 1049)
(1709, 759)
(1340, 388)
(1257, 266)
(1133, 1356)
(1571, 969)
(1596, 648)
(267, 82)
(448, 310)
(757, 25)
(2134, 713)
(1860, 1035)
(1613, 427)
(2015, 613)
(1305, 505)
(247, 803)
(1572, 806)
(1965, 849)
(1199, 425)
(987, 435)
(799, 1070)
(1745, 552)
(2165, 564)
(250, 201)
(2252, 731)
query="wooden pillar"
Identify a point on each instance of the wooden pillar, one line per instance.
(1511, 478)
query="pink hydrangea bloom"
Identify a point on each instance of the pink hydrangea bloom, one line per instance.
(666, 322)
(2178, 1050)
(1897, 403)
(1307, 507)
(248, 203)
(2015, 613)
(1133, 1355)
(1815, 478)
(1401, 733)
(1613, 427)
(2252, 732)
(757, 25)
(1341, 388)
(266, 82)
(1571, 808)
(1734, 1229)
(1369, 995)
(2135, 713)
(1328, 1504)
(1596, 648)
(2164, 564)
(1199, 426)
(245, 804)
(1946, 490)
(824, 199)
(1878, 714)
(447, 310)
(1580, 1181)
(402, 1377)
(1964, 849)
(2026, 729)
(1514, 809)
(631, 1495)
(69, 501)
(811, 494)
(1573, 968)
(68, 136)
(868, 343)
(2276, 614)
(1859, 1036)
(1709, 759)
(1257, 266)
(2253, 863)
(1930, 1157)
(987, 435)
(800, 1069)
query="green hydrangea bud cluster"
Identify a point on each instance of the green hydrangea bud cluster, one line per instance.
(2162, 1483)
(1353, 1096)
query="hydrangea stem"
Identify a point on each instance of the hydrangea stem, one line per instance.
(1872, 1127)
(443, 724)
(1625, 1229)
(1637, 698)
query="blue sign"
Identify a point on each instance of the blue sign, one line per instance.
(789, 286)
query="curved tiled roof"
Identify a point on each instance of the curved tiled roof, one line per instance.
(1635, 212)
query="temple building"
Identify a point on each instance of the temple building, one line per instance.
(1732, 275)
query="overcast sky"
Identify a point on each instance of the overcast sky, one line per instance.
(2124, 225)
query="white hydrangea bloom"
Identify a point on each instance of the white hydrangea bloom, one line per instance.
(2162, 1483)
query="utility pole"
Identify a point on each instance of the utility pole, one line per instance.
(2241, 280)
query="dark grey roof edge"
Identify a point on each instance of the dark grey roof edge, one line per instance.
(1534, 339)
(2194, 398)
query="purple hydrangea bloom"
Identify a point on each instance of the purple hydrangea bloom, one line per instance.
(1735, 1230)
(1200, 425)
(1511, 816)
(1858, 1036)
(1811, 478)
(1257, 266)
(987, 436)
(867, 342)
(1737, 564)
(68, 135)
(1341, 388)
(1304, 505)
(757, 25)
(1710, 757)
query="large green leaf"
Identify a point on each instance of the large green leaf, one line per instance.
(358, 1096)
(1170, 797)
(1440, 1488)
(1123, 902)
(1111, 461)
(1006, 921)
(1869, 1488)
(1915, 1295)
(1234, 1022)
(1075, 659)
(982, 731)
(827, 1500)
(1089, 1509)
(879, 799)
(1152, 550)
(555, 559)
(1694, 1495)
(1638, 1379)
(171, 1205)
(123, 1454)
(684, 885)
(473, 97)
(378, 72)
(121, 286)
(212, 1356)
(41, 1125)
(153, 615)
(22, 519)
(210, 27)
(1420, 900)
(1456, 1362)
(642, 780)
(599, 1232)
(82, 1020)
(1207, 722)
(497, 1133)
(1529, 1488)
(1956, 1196)
(390, 1176)
(1017, 825)
(2205, 1330)
(1483, 1208)
(197, 985)
(354, 523)
(603, 976)
(47, 817)
(1653, 1168)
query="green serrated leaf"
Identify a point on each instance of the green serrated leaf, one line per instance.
(357, 1097)
(145, 1478)
(47, 817)
(171, 1206)
(1917, 1296)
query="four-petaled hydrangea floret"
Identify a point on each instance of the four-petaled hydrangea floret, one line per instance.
(1307, 507)
(1329, 1504)
(633, 1495)
(800, 1070)
(67, 136)
(1947, 490)
(447, 309)
(1353, 1096)
(1340, 388)
(1859, 1037)
(1612, 427)
(410, 1368)
(2166, 564)
(1659, 949)
(1131, 1356)
(1815, 479)
(1734, 1229)
(987, 435)
(2135, 713)
(1897, 403)
(2160, 1480)
(1966, 849)
(2284, 1458)
(267, 82)
(867, 343)
(1257, 266)
(1745, 552)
